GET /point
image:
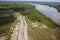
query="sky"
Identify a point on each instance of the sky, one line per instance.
(33, 0)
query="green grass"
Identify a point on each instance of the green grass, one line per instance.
(9, 32)
(6, 23)
(35, 15)
(3, 29)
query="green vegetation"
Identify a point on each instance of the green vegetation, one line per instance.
(32, 16)
(7, 18)
(5, 24)
(38, 33)
(51, 32)
(9, 32)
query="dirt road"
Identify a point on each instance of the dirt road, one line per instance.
(20, 30)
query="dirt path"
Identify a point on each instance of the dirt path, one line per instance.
(20, 30)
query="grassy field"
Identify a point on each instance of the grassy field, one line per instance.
(35, 15)
(40, 32)
(40, 26)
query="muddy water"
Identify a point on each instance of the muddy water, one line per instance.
(50, 12)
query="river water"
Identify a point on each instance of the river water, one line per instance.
(49, 12)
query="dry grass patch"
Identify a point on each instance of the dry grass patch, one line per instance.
(42, 32)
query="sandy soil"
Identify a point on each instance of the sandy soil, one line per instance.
(20, 30)
(2, 38)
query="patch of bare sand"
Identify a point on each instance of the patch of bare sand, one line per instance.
(20, 30)
(2, 38)
(35, 24)
(43, 26)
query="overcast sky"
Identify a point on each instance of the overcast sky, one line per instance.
(33, 0)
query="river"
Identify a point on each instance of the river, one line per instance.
(49, 12)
